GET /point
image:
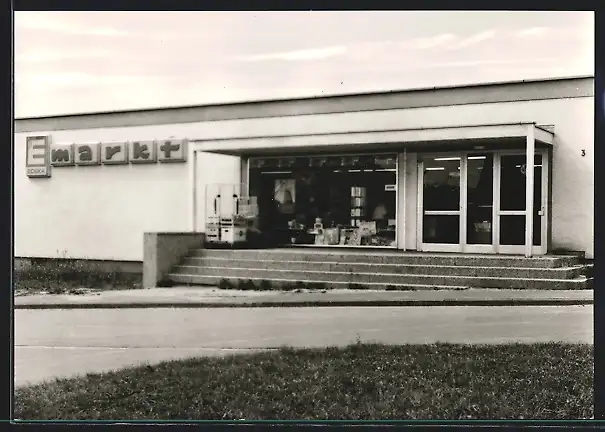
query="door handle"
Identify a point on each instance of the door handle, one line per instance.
(541, 212)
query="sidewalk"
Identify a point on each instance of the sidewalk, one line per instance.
(197, 297)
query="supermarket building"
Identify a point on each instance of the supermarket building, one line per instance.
(488, 169)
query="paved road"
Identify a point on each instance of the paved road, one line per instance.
(52, 343)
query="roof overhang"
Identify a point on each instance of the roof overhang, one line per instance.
(443, 137)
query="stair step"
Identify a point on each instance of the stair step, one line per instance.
(277, 283)
(352, 267)
(383, 257)
(383, 278)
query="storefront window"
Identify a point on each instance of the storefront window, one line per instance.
(345, 200)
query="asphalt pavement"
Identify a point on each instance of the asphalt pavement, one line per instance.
(53, 343)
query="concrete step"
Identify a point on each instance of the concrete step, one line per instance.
(381, 278)
(375, 256)
(319, 284)
(422, 269)
(275, 283)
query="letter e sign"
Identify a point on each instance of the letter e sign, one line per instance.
(38, 156)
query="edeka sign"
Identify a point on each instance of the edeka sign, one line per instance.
(119, 153)
(37, 162)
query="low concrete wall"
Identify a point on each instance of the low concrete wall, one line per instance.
(162, 251)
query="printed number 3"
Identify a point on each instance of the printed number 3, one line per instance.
(583, 152)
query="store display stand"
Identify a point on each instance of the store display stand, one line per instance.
(229, 226)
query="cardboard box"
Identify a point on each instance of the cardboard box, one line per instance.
(212, 238)
(233, 235)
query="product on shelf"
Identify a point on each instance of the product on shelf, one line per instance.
(331, 236)
(358, 204)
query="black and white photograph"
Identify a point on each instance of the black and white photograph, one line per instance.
(243, 216)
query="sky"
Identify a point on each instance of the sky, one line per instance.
(78, 62)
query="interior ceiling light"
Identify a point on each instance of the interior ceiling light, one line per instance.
(447, 159)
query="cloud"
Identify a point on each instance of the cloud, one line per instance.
(299, 55)
(492, 62)
(78, 78)
(366, 51)
(385, 49)
(471, 64)
(362, 51)
(532, 32)
(49, 56)
(474, 39)
(427, 42)
(46, 21)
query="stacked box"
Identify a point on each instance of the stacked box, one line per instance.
(212, 229)
(227, 221)
(233, 234)
(213, 220)
(226, 229)
(248, 207)
(248, 210)
(236, 221)
(212, 238)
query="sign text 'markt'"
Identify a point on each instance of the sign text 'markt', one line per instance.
(119, 153)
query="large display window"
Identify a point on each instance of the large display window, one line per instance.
(326, 200)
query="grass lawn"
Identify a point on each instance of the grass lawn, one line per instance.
(69, 278)
(28, 287)
(365, 382)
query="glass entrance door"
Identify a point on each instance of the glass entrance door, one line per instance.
(511, 204)
(479, 209)
(440, 201)
(475, 203)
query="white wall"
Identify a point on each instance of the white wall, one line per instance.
(48, 217)
(101, 212)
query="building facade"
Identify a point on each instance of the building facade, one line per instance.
(438, 170)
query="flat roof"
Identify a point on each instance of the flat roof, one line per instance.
(309, 98)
